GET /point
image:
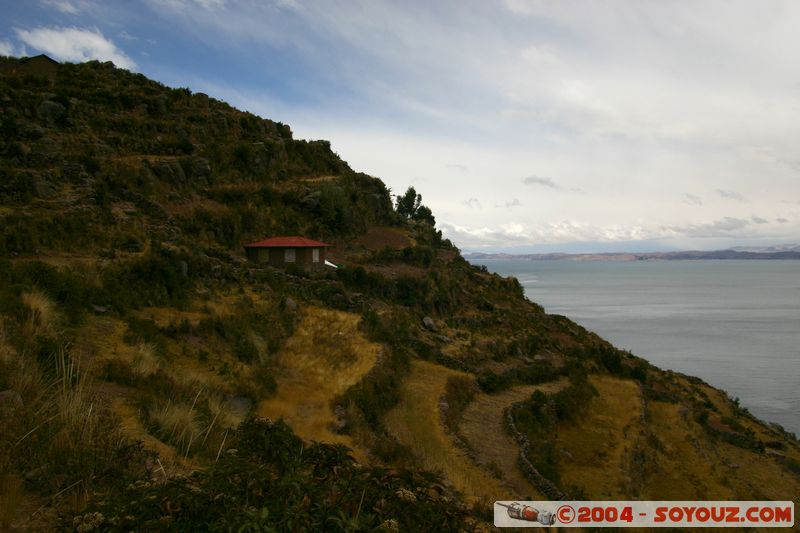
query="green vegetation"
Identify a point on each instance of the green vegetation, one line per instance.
(409, 205)
(538, 418)
(271, 481)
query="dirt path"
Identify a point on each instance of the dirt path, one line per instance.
(416, 422)
(326, 355)
(482, 426)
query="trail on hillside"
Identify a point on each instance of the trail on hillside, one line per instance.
(483, 427)
(324, 357)
(416, 422)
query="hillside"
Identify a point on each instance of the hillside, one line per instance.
(152, 378)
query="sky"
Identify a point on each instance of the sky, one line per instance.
(526, 125)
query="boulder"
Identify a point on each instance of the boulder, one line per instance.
(50, 112)
(429, 324)
(10, 401)
(290, 305)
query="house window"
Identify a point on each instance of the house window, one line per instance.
(288, 255)
(315, 255)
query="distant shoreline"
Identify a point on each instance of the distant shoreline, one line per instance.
(650, 256)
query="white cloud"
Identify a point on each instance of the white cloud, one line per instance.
(6, 48)
(181, 4)
(692, 199)
(473, 203)
(65, 6)
(513, 203)
(75, 44)
(729, 195)
(540, 180)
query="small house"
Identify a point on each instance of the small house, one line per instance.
(282, 251)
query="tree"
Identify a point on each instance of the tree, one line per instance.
(410, 206)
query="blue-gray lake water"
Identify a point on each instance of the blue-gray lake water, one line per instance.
(735, 324)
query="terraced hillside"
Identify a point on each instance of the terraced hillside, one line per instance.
(145, 364)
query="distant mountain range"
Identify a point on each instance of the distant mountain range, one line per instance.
(788, 251)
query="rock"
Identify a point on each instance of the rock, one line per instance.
(340, 424)
(99, 308)
(429, 324)
(50, 111)
(10, 401)
(290, 305)
(37, 473)
(312, 200)
(241, 405)
(201, 168)
(184, 266)
(169, 171)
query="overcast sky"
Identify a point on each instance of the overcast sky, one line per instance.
(525, 124)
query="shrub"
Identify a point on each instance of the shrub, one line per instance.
(273, 482)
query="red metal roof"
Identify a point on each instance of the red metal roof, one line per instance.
(286, 242)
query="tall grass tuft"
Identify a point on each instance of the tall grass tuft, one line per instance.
(43, 318)
(178, 424)
(145, 361)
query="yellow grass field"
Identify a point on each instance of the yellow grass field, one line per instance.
(416, 422)
(325, 356)
(691, 466)
(595, 450)
(483, 427)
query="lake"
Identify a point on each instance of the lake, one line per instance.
(733, 323)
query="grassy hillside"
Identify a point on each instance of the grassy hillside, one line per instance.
(144, 364)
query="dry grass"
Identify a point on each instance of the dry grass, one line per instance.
(595, 450)
(131, 425)
(686, 467)
(7, 354)
(145, 361)
(76, 410)
(416, 422)
(483, 427)
(178, 424)
(10, 498)
(326, 355)
(43, 318)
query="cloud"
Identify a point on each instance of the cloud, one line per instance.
(782, 220)
(75, 44)
(127, 36)
(65, 6)
(516, 234)
(182, 4)
(730, 195)
(513, 203)
(473, 203)
(692, 199)
(758, 220)
(723, 227)
(458, 167)
(6, 48)
(507, 235)
(540, 180)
